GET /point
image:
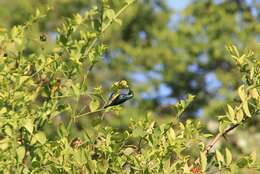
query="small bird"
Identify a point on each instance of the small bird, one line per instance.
(119, 98)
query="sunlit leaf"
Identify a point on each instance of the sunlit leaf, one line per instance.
(94, 105)
(239, 115)
(128, 151)
(228, 157)
(231, 113)
(28, 124)
(219, 156)
(241, 92)
(20, 153)
(40, 137)
(203, 161)
(246, 109)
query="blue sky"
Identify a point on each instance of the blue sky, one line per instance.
(178, 4)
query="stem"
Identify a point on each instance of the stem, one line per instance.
(218, 136)
(212, 143)
(88, 113)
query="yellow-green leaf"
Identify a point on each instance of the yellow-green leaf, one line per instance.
(171, 136)
(253, 157)
(186, 169)
(20, 153)
(128, 151)
(129, 1)
(239, 115)
(3, 110)
(228, 157)
(246, 109)
(110, 13)
(78, 19)
(23, 79)
(28, 125)
(254, 94)
(219, 156)
(4, 143)
(231, 113)
(40, 137)
(241, 93)
(203, 161)
(94, 104)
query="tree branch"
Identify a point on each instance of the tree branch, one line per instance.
(212, 143)
(218, 136)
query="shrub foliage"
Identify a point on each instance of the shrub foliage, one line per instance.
(42, 87)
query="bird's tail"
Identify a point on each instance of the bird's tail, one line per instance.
(106, 106)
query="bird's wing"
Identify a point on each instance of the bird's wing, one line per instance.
(113, 96)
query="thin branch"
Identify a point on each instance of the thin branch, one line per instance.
(219, 135)
(88, 113)
(212, 143)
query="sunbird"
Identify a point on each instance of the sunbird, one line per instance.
(119, 98)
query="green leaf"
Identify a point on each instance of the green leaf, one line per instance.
(104, 166)
(4, 143)
(20, 151)
(233, 49)
(243, 162)
(129, 1)
(40, 137)
(239, 116)
(76, 90)
(28, 125)
(22, 79)
(38, 12)
(79, 157)
(128, 151)
(190, 98)
(138, 132)
(3, 110)
(8, 130)
(254, 94)
(207, 135)
(231, 113)
(171, 136)
(241, 93)
(252, 158)
(186, 168)
(78, 19)
(228, 157)
(246, 109)
(94, 105)
(62, 131)
(219, 156)
(203, 161)
(110, 13)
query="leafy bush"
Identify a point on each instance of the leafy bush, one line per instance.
(43, 86)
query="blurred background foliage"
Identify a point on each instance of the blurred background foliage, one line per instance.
(165, 49)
